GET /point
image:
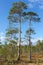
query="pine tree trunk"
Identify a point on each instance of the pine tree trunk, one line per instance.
(19, 40)
(30, 54)
(30, 41)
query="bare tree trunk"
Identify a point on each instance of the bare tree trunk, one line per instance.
(30, 54)
(19, 40)
(30, 41)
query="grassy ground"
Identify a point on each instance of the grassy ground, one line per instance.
(37, 59)
(25, 63)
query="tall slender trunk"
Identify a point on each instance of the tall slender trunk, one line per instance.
(30, 54)
(19, 40)
(30, 41)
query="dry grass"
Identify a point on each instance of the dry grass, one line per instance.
(27, 63)
(37, 59)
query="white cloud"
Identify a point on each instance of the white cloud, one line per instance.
(2, 36)
(2, 39)
(36, 1)
(41, 6)
(33, 1)
(30, 5)
(40, 1)
(35, 40)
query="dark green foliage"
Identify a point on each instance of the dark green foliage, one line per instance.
(30, 31)
(12, 31)
(18, 7)
(32, 14)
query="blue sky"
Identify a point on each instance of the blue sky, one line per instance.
(34, 5)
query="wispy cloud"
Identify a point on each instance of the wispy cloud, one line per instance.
(30, 5)
(33, 1)
(41, 6)
(2, 37)
(39, 2)
(36, 1)
(35, 40)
